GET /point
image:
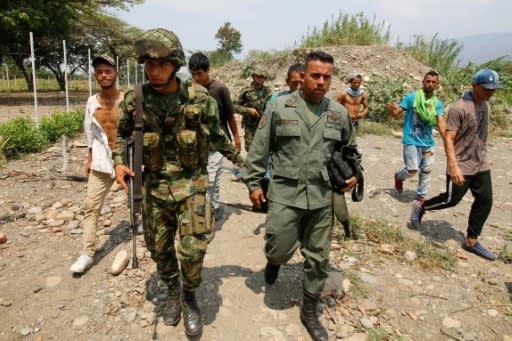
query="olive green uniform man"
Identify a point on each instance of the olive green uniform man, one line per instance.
(300, 130)
(180, 120)
(251, 104)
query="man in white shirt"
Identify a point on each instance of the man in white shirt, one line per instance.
(100, 125)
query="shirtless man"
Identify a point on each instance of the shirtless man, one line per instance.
(353, 97)
(100, 126)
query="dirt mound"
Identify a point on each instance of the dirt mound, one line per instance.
(372, 60)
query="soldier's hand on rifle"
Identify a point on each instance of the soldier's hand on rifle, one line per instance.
(121, 172)
(257, 197)
(253, 112)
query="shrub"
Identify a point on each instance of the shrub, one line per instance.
(23, 137)
(439, 54)
(62, 123)
(348, 30)
(382, 90)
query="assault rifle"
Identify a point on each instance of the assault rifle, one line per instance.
(133, 157)
(134, 198)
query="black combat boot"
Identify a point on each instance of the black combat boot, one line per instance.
(271, 272)
(309, 318)
(171, 313)
(191, 314)
(350, 233)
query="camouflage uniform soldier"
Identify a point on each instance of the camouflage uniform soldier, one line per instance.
(180, 120)
(251, 104)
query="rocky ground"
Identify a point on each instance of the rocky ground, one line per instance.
(41, 213)
(387, 288)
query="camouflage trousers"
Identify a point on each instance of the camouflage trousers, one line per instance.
(249, 133)
(193, 220)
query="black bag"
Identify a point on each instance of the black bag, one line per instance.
(345, 163)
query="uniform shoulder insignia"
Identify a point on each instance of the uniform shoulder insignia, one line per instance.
(291, 102)
(262, 122)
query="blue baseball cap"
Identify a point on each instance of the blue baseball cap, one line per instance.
(487, 79)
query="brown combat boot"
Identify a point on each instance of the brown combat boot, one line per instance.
(171, 313)
(309, 318)
(191, 314)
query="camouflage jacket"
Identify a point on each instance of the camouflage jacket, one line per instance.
(252, 98)
(177, 130)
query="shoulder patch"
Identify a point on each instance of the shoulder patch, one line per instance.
(263, 121)
(291, 102)
(333, 117)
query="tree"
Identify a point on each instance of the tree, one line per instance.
(229, 41)
(111, 35)
(51, 22)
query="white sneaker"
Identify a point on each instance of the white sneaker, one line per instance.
(83, 263)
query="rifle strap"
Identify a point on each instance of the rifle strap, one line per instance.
(138, 146)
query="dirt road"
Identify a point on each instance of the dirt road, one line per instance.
(41, 213)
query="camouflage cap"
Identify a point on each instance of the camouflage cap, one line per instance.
(259, 70)
(103, 59)
(161, 44)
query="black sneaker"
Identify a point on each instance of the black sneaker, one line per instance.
(271, 272)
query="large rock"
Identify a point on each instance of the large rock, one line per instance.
(120, 262)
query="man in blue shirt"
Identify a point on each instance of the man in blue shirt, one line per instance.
(423, 110)
(293, 80)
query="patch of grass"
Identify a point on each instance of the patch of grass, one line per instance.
(357, 289)
(23, 137)
(374, 128)
(62, 123)
(505, 255)
(430, 255)
(380, 334)
(3, 143)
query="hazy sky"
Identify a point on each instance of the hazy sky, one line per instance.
(277, 24)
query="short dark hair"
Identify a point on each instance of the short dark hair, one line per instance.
(298, 67)
(198, 61)
(319, 55)
(431, 73)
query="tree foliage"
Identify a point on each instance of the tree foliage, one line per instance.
(52, 22)
(229, 40)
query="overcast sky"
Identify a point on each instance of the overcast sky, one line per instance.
(277, 24)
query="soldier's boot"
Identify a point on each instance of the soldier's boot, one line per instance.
(350, 233)
(191, 314)
(309, 318)
(171, 312)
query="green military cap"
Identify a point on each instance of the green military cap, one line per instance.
(160, 44)
(259, 70)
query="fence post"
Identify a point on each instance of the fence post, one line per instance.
(34, 79)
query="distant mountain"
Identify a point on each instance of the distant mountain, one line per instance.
(481, 48)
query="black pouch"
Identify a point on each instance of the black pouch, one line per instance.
(345, 162)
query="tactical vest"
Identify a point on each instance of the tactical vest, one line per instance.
(176, 139)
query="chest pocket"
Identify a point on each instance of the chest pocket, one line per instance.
(332, 134)
(287, 130)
